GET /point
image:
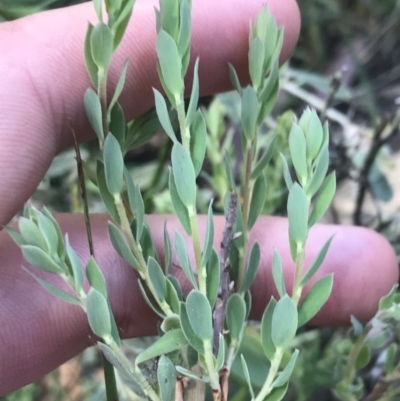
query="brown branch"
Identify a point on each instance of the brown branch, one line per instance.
(384, 132)
(223, 290)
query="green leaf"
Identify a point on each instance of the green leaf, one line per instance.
(219, 363)
(177, 285)
(198, 141)
(90, 64)
(170, 64)
(59, 236)
(166, 377)
(113, 6)
(120, 362)
(93, 112)
(135, 203)
(363, 357)
(179, 207)
(229, 172)
(32, 234)
(52, 289)
(297, 207)
(169, 342)
(286, 172)
(147, 244)
(150, 300)
(37, 257)
(171, 296)
(264, 160)
(117, 124)
(277, 272)
(108, 199)
(277, 393)
(391, 358)
(284, 322)
(184, 175)
(122, 21)
(256, 61)
(183, 257)
(297, 146)
(102, 45)
(324, 199)
(284, 376)
(314, 134)
(316, 263)
(387, 300)
(75, 264)
(167, 251)
(185, 26)
(95, 277)
(98, 8)
(171, 322)
(252, 267)
(319, 173)
(121, 247)
(266, 329)
(98, 313)
(194, 96)
(315, 299)
(199, 314)
(209, 240)
(269, 93)
(247, 376)
(235, 316)
(120, 86)
(157, 279)
(257, 200)
(16, 236)
(192, 338)
(113, 165)
(235, 79)
(213, 277)
(250, 110)
(169, 13)
(163, 115)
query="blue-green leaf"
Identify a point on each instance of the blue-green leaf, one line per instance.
(277, 272)
(235, 316)
(183, 256)
(90, 64)
(163, 115)
(297, 146)
(194, 96)
(315, 299)
(120, 86)
(98, 313)
(199, 314)
(266, 329)
(166, 377)
(284, 376)
(113, 165)
(252, 267)
(75, 264)
(198, 141)
(37, 257)
(250, 110)
(184, 175)
(95, 277)
(180, 208)
(284, 322)
(102, 45)
(170, 64)
(191, 336)
(93, 111)
(157, 279)
(209, 241)
(297, 207)
(257, 200)
(171, 341)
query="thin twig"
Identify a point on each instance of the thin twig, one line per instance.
(82, 186)
(223, 290)
(384, 132)
(381, 387)
(333, 88)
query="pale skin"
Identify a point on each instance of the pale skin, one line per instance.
(43, 79)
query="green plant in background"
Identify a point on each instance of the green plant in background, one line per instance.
(202, 331)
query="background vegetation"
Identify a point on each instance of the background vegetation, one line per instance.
(352, 42)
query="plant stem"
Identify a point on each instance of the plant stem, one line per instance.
(137, 253)
(209, 361)
(185, 132)
(247, 193)
(109, 378)
(273, 370)
(297, 289)
(201, 271)
(102, 93)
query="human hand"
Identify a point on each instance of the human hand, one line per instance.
(43, 79)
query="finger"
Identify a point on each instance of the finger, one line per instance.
(44, 77)
(364, 265)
